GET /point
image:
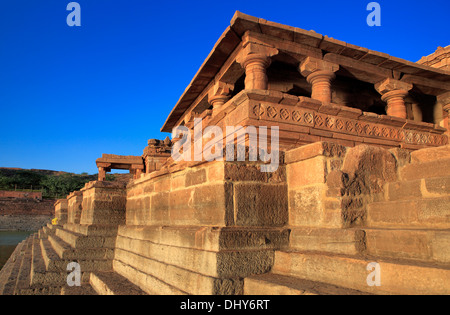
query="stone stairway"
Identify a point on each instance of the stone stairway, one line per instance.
(39, 264)
(407, 234)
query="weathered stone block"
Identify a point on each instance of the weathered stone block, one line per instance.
(195, 177)
(306, 206)
(307, 172)
(260, 204)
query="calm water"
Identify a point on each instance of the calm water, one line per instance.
(8, 242)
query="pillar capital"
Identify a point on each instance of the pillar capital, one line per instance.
(311, 65)
(189, 119)
(319, 73)
(389, 85)
(393, 92)
(255, 59)
(389, 96)
(219, 94)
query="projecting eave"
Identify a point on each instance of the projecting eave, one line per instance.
(431, 79)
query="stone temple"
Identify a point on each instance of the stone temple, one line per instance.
(359, 203)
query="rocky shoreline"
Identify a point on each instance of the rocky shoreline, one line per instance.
(23, 222)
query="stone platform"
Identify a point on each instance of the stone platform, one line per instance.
(359, 202)
(224, 228)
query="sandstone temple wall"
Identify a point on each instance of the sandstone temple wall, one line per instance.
(213, 224)
(362, 177)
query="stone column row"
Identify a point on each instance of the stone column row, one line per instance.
(255, 59)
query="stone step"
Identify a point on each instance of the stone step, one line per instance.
(276, 284)
(60, 247)
(42, 234)
(51, 259)
(428, 213)
(415, 244)
(54, 263)
(39, 274)
(430, 154)
(10, 271)
(339, 241)
(52, 228)
(397, 276)
(66, 252)
(209, 238)
(436, 168)
(418, 189)
(92, 230)
(23, 279)
(177, 277)
(78, 241)
(41, 290)
(84, 289)
(240, 263)
(111, 283)
(149, 284)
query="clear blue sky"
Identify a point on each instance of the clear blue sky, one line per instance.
(69, 94)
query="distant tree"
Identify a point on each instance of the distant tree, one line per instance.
(62, 185)
(110, 177)
(21, 179)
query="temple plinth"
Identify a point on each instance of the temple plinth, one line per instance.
(360, 181)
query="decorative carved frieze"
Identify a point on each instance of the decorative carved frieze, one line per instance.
(360, 128)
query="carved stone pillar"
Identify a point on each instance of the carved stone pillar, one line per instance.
(101, 174)
(393, 93)
(137, 173)
(219, 95)
(156, 154)
(444, 100)
(255, 59)
(319, 74)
